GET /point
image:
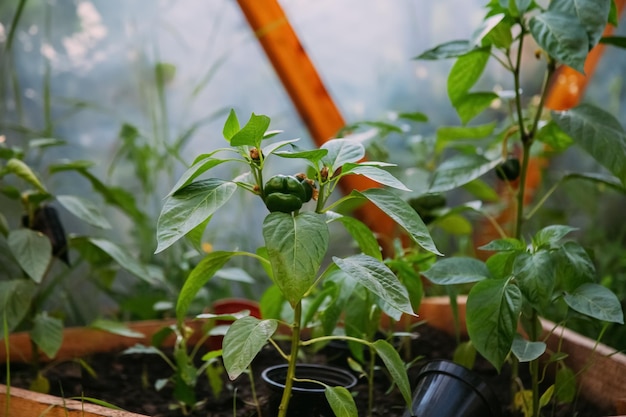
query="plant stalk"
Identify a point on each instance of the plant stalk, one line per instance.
(370, 382)
(534, 365)
(293, 358)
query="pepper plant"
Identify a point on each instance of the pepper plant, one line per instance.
(296, 239)
(528, 267)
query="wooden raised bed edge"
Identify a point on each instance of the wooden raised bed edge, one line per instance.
(602, 379)
(26, 403)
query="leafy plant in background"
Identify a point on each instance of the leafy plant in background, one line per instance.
(185, 374)
(527, 271)
(296, 240)
(32, 238)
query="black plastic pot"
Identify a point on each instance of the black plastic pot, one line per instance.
(308, 399)
(445, 389)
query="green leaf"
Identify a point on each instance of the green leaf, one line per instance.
(340, 152)
(374, 173)
(252, 133)
(481, 190)
(115, 327)
(465, 354)
(271, 303)
(16, 297)
(231, 126)
(565, 384)
(457, 270)
(613, 14)
(459, 170)
(596, 301)
(494, 30)
(447, 134)
(124, 259)
(619, 41)
(527, 351)
(235, 274)
(472, 104)
(296, 246)
(243, 341)
(341, 402)
(84, 210)
(447, 50)
(546, 396)
(465, 72)
(593, 14)
(562, 36)
(199, 167)
(598, 178)
(313, 155)
(454, 224)
(414, 117)
(523, 5)
(273, 147)
(40, 384)
(198, 277)
(378, 279)
(551, 235)
(32, 250)
(504, 245)
(403, 214)
(493, 307)
(500, 264)
(598, 133)
(189, 207)
(45, 143)
(535, 275)
(362, 235)
(552, 135)
(47, 333)
(574, 267)
(23, 171)
(396, 368)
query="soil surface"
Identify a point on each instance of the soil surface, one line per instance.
(128, 382)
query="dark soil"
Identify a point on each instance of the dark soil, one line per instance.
(128, 382)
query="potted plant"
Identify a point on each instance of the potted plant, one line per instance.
(529, 268)
(296, 242)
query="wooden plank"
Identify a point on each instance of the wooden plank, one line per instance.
(24, 403)
(81, 341)
(602, 369)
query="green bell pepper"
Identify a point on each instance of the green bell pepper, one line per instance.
(284, 193)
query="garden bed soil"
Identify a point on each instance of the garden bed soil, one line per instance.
(128, 382)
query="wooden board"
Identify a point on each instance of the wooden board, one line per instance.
(24, 403)
(602, 377)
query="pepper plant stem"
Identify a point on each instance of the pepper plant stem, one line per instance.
(293, 357)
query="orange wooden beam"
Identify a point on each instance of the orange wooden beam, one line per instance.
(309, 95)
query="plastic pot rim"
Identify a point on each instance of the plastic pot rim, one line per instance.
(349, 380)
